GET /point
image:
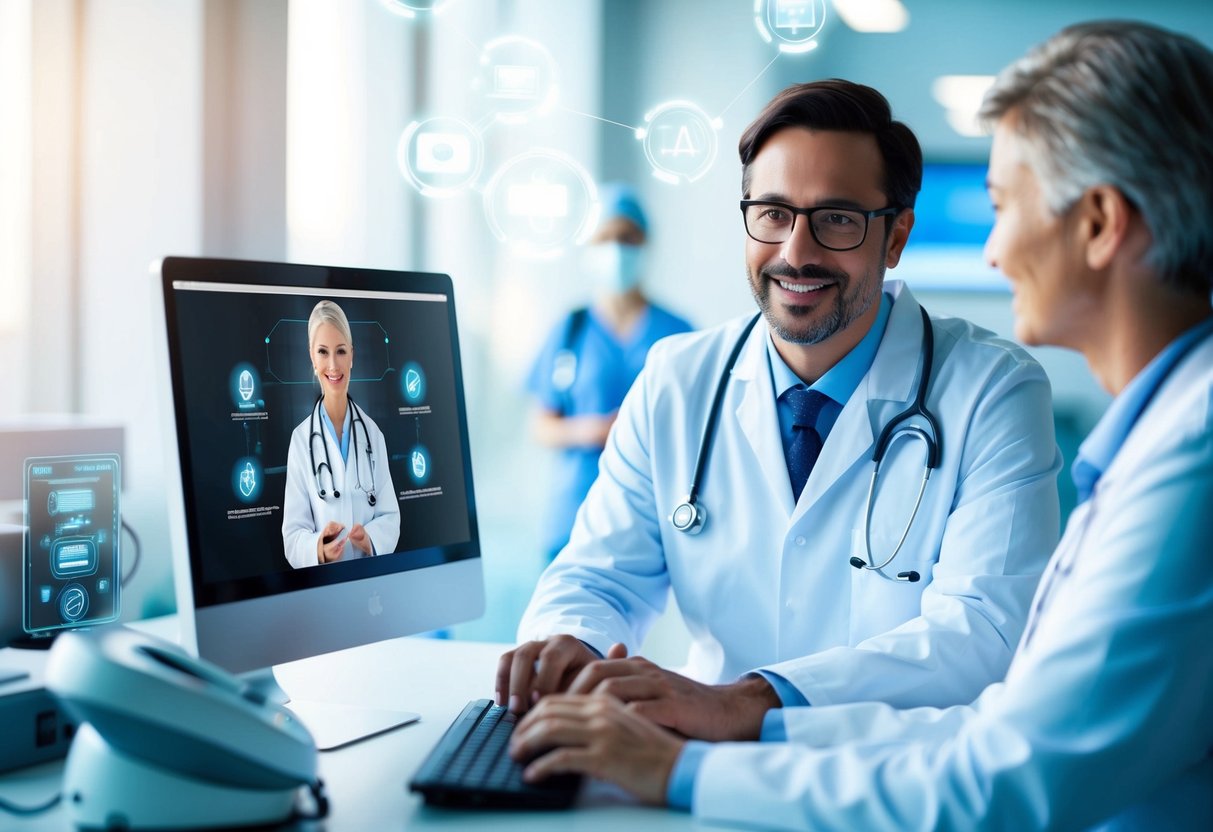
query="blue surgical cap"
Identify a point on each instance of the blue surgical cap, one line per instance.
(620, 200)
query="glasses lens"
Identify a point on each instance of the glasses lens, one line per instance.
(838, 229)
(769, 223)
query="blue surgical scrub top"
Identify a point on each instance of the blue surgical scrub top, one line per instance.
(606, 368)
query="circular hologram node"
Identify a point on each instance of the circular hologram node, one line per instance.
(440, 156)
(73, 603)
(414, 8)
(792, 24)
(517, 78)
(679, 140)
(540, 202)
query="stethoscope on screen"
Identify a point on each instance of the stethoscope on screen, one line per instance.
(689, 516)
(356, 419)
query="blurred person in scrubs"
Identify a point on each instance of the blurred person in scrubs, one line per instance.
(1100, 175)
(593, 355)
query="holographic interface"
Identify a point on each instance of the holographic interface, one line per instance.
(73, 529)
(540, 202)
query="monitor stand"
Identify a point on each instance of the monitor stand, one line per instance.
(331, 725)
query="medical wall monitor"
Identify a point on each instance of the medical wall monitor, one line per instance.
(326, 494)
(952, 219)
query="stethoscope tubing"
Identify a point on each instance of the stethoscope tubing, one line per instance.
(689, 516)
(317, 470)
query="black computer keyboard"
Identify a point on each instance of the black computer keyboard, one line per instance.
(471, 767)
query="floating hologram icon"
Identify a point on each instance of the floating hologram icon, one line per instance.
(679, 141)
(441, 155)
(541, 202)
(414, 8)
(791, 24)
(795, 15)
(517, 78)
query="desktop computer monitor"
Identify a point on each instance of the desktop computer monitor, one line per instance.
(262, 472)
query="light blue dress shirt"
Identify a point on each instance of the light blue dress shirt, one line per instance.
(838, 385)
(1102, 444)
(344, 442)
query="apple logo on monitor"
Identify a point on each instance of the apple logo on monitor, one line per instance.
(374, 604)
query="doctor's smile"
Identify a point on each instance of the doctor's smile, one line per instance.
(807, 286)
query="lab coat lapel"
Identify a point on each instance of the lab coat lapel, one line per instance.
(885, 390)
(757, 419)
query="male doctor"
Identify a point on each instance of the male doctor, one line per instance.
(1104, 719)
(777, 580)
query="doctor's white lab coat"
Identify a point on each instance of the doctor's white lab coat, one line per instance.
(768, 583)
(1104, 719)
(305, 512)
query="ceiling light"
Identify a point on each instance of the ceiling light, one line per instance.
(961, 97)
(873, 15)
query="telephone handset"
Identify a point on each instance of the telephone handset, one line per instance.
(170, 740)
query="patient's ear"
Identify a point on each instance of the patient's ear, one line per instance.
(1106, 220)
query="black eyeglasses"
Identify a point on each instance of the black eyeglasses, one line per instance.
(838, 229)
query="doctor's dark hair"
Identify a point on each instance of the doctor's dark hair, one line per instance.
(1124, 104)
(327, 312)
(835, 104)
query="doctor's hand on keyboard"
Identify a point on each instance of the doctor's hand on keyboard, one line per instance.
(538, 668)
(600, 737)
(717, 713)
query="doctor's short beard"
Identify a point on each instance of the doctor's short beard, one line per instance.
(807, 325)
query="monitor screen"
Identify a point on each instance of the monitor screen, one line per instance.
(322, 465)
(952, 219)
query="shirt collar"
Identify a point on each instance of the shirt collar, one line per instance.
(1106, 439)
(840, 381)
(345, 425)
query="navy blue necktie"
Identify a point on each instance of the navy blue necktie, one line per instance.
(806, 442)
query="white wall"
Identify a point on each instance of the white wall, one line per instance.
(16, 73)
(348, 89)
(140, 199)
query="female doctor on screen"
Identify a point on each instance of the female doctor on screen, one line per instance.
(340, 501)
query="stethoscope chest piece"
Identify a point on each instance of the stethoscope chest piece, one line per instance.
(688, 517)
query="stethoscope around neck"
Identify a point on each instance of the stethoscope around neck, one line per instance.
(326, 464)
(689, 516)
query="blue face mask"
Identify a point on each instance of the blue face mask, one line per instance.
(613, 267)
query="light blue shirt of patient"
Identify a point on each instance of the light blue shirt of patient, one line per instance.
(1105, 730)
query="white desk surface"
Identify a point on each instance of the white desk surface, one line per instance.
(366, 781)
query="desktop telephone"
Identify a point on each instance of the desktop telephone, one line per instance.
(169, 740)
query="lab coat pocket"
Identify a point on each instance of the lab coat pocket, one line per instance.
(879, 600)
